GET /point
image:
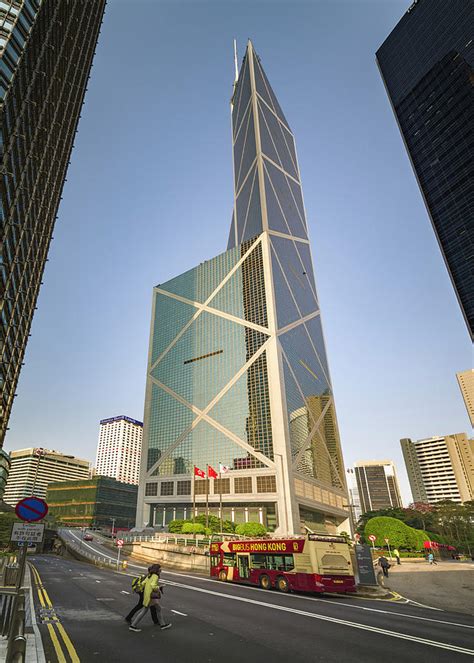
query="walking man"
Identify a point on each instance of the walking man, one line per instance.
(385, 564)
(397, 555)
(138, 586)
(152, 593)
(431, 559)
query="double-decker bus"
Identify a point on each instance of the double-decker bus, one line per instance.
(318, 563)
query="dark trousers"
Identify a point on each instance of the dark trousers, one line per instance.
(385, 571)
(138, 607)
(398, 560)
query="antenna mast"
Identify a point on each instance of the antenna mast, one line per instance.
(235, 62)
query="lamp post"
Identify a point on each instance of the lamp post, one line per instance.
(113, 526)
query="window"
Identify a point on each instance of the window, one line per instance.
(221, 486)
(184, 488)
(200, 486)
(228, 559)
(151, 489)
(243, 485)
(167, 488)
(266, 484)
(280, 562)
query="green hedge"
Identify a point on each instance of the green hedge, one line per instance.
(397, 532)
(251, 529)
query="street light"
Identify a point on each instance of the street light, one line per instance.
(113, 526)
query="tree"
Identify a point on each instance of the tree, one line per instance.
(251, 529)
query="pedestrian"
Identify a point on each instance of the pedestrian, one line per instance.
(431, 559)
(397, 555)
(138, 586)
(385, 564)
(152, 593)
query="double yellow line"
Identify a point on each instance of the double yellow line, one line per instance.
(45, 602)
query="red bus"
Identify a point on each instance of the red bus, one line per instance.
(319, 563)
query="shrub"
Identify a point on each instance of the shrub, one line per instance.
(175, 526)
(251, 529)
(193, 528)
(399, 534)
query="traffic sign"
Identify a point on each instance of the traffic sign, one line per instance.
(386, 540)
(31, 509)
(27, 533)
(357, 536)
(372, 537)
(119, 543)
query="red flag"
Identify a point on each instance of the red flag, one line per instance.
(211, 473)
(199, 473)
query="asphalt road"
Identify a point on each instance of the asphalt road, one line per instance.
(215, 621)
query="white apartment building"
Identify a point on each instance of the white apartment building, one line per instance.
(119, 449)
(440, 468)
(36, 467)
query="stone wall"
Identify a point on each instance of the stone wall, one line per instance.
(171, 556)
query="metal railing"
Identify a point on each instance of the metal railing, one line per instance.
(12, 623)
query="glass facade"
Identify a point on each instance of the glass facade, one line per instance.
(238, 372)
(427, 66)
(46, 52)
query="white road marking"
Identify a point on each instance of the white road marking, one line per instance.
(124, 592)
(334, 620)
(98, 581)
(177, 612)
(105, 599)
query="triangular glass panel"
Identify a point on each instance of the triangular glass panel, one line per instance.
(243, 96)
(204, 359)
(316, 334)
(239, 147)
(260, 83)
(276, 132)
(171, 316)
(296, 190)
(205, 445)
(287, 202)
(168, 420)
(231, 241)
(276, 220)
(198, 283)
(275, 104)
(286, 309)
(254, 223)
(249, 154)
(268, 148)
(245, 408)
(243, 295)
(298, 419)
(305, 257)
(305, 365)
(290, 143)
(243, 202)
(296, 274)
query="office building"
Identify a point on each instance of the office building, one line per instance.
(5, 463)
(426, 64)
(466, 385)
(237, 370)
(97, 502)
(46, 51)
(353, 492)
(119, 449)
(377, 485)
(33, 469)
(440, 468)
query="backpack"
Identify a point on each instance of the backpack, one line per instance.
(138, 583)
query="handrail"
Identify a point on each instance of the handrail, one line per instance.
(12, 622)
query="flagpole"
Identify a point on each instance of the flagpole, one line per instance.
(220, 498)
(194, 495)
(207, 495)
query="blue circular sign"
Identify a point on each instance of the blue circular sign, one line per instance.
(31, 509)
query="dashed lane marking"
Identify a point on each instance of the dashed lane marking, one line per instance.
(177, 612)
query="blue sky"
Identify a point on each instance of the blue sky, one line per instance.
(149, 195)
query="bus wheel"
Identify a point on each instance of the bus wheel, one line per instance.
(265, 582)
(283, 584)
(222, 575)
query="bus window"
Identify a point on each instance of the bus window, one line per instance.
(229, 559)
(258, 561)
(334, 562)
(280, 562)
(215, 559)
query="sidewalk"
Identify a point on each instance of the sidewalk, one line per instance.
(448, 585)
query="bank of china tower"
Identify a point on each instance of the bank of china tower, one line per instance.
(237, 367)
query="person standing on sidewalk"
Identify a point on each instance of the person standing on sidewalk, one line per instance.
(396, 554)
(431, 559)
(152, 593)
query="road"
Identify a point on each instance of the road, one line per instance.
(215, 621)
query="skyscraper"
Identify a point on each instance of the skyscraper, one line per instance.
(46, 51)
(119, 449)
(426, 64)
(237, 369)
(377, 485)
(440, 468)
(466, 385)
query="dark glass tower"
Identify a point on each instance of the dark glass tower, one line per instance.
(237, 370)
(46, 52)
(426, 64)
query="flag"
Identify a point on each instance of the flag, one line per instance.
(223, 469)
(211, 473)
(199, 473)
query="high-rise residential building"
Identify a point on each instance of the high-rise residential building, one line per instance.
(466, 385)
(119, 449)
(46, 51)
(377, 485)
(440, 468)
(33, 469)
(5, 463)
(426, 63)
(237, 370)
